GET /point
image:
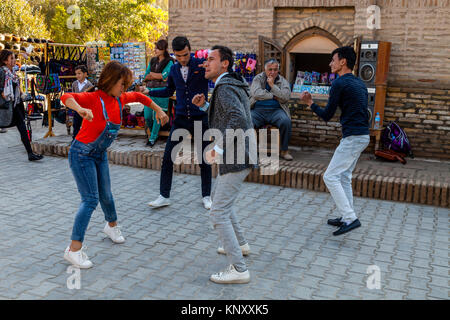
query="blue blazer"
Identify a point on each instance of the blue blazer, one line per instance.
(196, 83)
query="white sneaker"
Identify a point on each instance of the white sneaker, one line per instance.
(78, 258)
(160, 202)
(245, 250)
(231, 275)
(114, 233)
(207, 202)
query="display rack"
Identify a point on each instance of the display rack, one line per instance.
(47, 72)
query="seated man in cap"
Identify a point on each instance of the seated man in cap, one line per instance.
(269, 94)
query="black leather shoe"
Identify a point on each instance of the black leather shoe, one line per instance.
(150, 143)
(347, 227)
(35, 156)
(335, 222)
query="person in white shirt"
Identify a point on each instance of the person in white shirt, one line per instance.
(80, 85)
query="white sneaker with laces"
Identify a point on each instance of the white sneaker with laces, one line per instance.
(114, 233)
(231, 275)
(160, 202)
(78, 258)
(245, 250)
(207, 202)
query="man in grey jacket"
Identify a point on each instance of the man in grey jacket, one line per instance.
(230, 116)
(270, 93)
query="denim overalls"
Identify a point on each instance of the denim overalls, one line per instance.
(89, 165)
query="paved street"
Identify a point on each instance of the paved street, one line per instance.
(170, 253)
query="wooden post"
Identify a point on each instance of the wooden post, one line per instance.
(47, 96)
(47, 72)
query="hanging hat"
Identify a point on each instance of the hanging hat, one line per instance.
(36, 40)
(16, 47)
(8, 37)
(2, 37)
(29, 49)
(2, 46)
(43, 41)
(16, 38)
(23, 39)
(30, 69)
(30, 40)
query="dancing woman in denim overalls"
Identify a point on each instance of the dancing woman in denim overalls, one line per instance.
(102, 114)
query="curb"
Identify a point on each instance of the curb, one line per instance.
(292, 174)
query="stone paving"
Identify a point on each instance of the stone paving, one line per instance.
(170, 252)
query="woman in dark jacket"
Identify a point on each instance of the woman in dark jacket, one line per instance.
(10, 91)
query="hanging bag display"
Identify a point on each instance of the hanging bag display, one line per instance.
(48, 84)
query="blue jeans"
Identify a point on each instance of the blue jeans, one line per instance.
(91, 172)
(338, 176)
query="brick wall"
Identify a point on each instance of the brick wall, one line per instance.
(311, 131)
(418, 29)
(419, 65)
(287, 19)
(234, 27)
(420, 38)
(424, 114)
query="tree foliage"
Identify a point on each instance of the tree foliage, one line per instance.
(113, 21)
(20, 18)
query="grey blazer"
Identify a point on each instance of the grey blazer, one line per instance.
(230, 109)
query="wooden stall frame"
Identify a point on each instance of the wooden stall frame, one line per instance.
(47, 96)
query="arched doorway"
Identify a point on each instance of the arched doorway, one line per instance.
(309, 51)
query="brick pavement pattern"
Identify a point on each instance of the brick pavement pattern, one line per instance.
(170, 252)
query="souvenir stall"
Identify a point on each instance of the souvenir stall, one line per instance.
(30, 54)
(316, 83)
(58, 75)
(132, 55)
(244, 64)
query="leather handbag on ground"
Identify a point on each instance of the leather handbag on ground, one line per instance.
(391, 155)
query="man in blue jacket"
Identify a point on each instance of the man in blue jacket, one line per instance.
(187, 77)
(349, 93)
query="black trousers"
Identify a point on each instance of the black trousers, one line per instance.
(18, 121)
(182, 122)
(76, 124)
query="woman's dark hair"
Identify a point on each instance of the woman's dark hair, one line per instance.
(82, 67)
(346, 53)
(179, 43)
(113, 72)
(4, 55)
(163, 45)
(225, 54)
